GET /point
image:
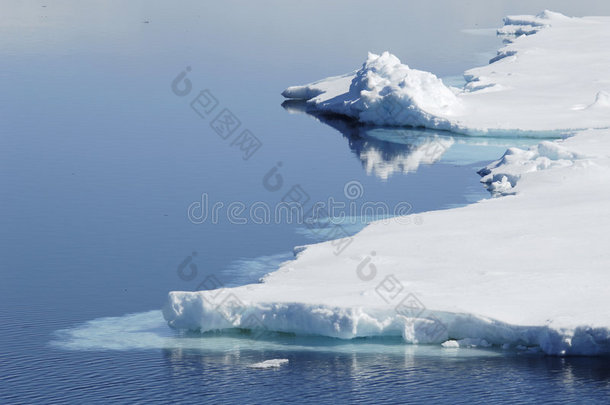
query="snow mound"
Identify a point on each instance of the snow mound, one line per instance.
(384, 92)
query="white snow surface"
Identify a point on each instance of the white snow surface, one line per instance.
(529, 270)
(555, 80)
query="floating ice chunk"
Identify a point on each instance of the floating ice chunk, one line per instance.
(450, 344)
(273, 363)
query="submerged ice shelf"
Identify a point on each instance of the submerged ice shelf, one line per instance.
(529, 269)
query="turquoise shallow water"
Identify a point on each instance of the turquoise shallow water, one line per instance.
(100, 160)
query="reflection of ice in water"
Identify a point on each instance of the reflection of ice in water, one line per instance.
(384, 151)
(383, 163)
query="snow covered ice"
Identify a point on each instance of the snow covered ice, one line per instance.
(528, 270)
(555, 80)
(384, 92)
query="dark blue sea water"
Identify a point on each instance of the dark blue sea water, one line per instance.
(100, 161)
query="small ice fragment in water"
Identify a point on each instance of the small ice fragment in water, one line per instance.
(273, 363)
(450, 344)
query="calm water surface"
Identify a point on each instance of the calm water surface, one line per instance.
(99, 162)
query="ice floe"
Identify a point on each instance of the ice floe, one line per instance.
(526, 271)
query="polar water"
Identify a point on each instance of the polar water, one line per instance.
(524, 271)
